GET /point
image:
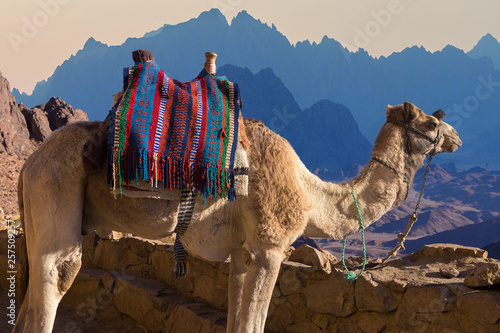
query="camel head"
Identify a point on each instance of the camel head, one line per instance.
(426, 134)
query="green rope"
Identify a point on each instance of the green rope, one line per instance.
(350, 275)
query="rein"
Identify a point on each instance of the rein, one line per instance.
(413, 218)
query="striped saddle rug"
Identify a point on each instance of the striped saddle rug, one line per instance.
(182, 135)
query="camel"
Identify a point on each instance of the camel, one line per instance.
(63, 195)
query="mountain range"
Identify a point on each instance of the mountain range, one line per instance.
(310, 131)
(458, 206)
(480, 235)
(464, 85)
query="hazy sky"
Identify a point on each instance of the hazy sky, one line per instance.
(38, 35)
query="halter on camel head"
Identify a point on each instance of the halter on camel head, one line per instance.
(439, 114)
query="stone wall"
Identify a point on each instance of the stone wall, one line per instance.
(424, 292)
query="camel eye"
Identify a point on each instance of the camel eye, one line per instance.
(433, 125)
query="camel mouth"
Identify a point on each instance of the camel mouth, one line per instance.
(456, 142)
(452, 148)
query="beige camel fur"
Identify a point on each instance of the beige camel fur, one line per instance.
(63, 195)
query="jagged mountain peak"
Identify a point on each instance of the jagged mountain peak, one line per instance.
(450, 49)
(244, 16)
(212, 14)
(414, 50)
(488, 40)
(92, 42)
(92, 47)
(244, 23)
(487, 46)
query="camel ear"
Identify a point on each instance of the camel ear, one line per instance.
(439, 114)
(388, 110)
(410, 111)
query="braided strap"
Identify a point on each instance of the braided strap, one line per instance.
(351, 276)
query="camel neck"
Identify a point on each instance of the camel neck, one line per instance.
(377, 188)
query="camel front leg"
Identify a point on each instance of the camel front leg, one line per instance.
(237, 272)
(263, 264)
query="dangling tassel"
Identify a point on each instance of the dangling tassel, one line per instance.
(180, 255)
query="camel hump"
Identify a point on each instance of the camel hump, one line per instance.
(142, 56)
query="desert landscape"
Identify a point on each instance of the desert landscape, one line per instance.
(127, 283)
(331, 78)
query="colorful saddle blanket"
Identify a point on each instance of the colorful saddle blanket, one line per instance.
(183, 135)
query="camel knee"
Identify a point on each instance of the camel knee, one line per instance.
(248, 257)
(265, 257)
(67, 271)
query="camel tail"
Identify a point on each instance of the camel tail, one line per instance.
(24, 278)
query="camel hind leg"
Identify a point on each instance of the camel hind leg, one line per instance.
(53, 237)
(52, 215)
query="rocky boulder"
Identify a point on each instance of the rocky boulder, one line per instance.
(308, 255)
(19, 124)
(14, 135)
(37, 122)
(21, 130)
(484, 275)
(447, 251)
(60, 113)
(45, 118)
